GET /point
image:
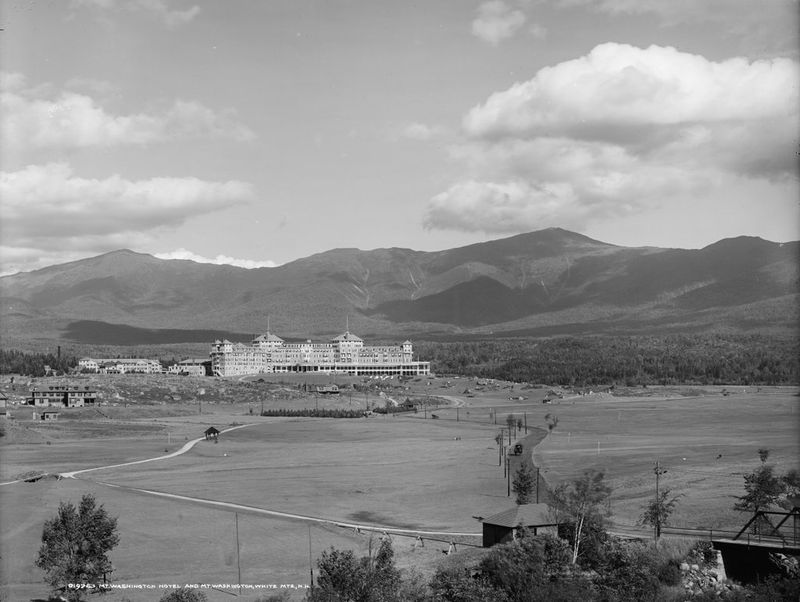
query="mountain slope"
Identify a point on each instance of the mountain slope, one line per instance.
(540, 279)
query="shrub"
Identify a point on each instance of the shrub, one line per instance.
(670, 573)
(183, 594)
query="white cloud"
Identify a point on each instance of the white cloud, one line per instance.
(420, 131)
(618, 131)
(39, 118)
(156, 8)
(496, 21)
(48, 208)
(218, 260)
(617, 85)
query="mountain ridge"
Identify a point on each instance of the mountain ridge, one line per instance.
(546, 279)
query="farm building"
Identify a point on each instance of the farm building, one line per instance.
(503, 527)
(63, 397)
(211, 433)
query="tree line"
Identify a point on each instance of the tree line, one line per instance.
(704, 359)
(33, 364)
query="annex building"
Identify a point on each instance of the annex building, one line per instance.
(345, 354)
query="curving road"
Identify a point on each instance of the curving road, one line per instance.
(251, 509)
(182, 450)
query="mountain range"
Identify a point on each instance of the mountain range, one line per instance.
(547, 282)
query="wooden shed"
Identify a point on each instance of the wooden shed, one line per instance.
(503, 527)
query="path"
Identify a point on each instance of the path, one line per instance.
(182, 450)
(251, 509)
(289, 515)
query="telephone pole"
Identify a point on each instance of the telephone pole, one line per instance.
(658, 471)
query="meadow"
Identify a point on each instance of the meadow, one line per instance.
(407, 472)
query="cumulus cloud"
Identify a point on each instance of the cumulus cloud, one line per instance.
(497, 21)
(617, 85)
(49, 207)
(617, 131)
(218, 260)
(41, 118)
(156, 8)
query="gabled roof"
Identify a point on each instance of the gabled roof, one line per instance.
(526, 515)
(268, 338)
(347, 337)
(211, 430)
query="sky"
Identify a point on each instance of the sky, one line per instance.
(257, 132)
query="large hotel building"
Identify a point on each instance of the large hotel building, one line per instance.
(345, 354)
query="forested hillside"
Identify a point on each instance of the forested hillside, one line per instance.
(638, 360)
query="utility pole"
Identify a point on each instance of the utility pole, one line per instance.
(238, 565)
(537, 484)
(508, 477)
(525, 418)
(310, 566)
(659, 471)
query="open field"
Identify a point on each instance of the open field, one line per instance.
(405, 471)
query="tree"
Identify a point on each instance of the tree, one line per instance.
(511, 421)
(342, 577)
(524, 483)
(763, 488)
(75, 546)
(657, 512)
(581, 502)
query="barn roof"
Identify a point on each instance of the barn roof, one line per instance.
(526, 515)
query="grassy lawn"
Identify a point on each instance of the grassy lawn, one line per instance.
(404, 471)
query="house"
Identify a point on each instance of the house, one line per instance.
(504, 527)
(191, 367)
(61, 396)
(212, 433)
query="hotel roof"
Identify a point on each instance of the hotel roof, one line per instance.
(347, 336)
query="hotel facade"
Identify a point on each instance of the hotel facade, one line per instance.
(345, 354)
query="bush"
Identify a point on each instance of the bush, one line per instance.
(670, 573)
(183, 594)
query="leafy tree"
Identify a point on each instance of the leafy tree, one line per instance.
(511, 421)
(342, 577)
(763, 488)
(581, 502)
(629, 573)
(524, 484)
(791, 484)
(657, 511)
(456, 584)
(75, 546)
(184, 594)
(551, 420)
